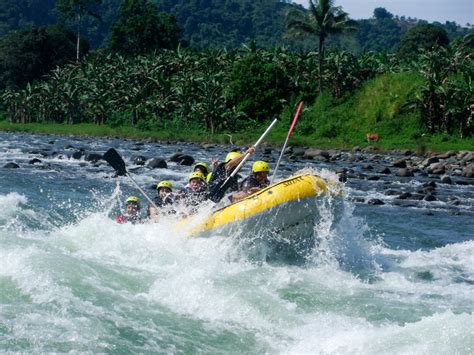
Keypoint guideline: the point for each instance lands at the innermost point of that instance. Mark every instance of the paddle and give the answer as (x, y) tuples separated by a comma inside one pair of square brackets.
[(219, 190), (287, 139), (115, 160)]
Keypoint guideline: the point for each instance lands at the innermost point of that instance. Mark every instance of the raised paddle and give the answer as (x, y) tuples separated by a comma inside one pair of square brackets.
[(115, 160), (219, 190), (286, 141)]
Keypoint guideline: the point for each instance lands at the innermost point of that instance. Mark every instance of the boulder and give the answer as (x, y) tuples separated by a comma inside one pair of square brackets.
[(373, 178), (77, 154), (403, 172), (375, 201), (138, 159), (93, 157), (467, 157), (35, 161), (186, 160), (298, 152), (405, 196), (384, 170), (313, 153), (447, 155), (436, 168), (400, 163), (176, 157), (446, 180), (11, 166), (429, 198), (429, 161), (342, 177), (157, 164), (468, 171)]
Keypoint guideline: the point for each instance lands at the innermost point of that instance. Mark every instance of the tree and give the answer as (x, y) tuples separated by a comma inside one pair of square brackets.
[(77, 10), (27, 55), (257, 87), (322, 20), (421, 37), (139, 28), (381, 13)]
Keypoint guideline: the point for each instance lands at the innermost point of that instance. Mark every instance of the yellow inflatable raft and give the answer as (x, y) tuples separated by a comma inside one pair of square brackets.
[(289, 205)]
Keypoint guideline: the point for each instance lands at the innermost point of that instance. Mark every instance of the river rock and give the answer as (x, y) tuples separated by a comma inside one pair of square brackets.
[(375, 201), (468, 171), (341, 170), (93, 157), (11, 166), (138, 159), (313, 153), (400, 163), (186, 160), (77, 154), (342, 177), (35, 161), (298, 152), (384, 170), (467, 157), (373, 178), (404, 196), (175, 157), (157, 164), (429, 198), (446, 180), (429, 183), (403, 172), (447, 155), (429, 161)]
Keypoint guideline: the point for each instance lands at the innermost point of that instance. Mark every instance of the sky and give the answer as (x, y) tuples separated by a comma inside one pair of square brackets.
[(461, 11)]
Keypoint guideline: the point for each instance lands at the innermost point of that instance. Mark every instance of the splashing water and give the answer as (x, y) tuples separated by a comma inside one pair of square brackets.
[(71, 279)]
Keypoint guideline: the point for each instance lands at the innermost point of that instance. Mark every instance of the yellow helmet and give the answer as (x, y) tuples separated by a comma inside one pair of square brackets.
[(197, 175), (133, 200), (232, 155), (202, 164), (260, 167), (164, 183)]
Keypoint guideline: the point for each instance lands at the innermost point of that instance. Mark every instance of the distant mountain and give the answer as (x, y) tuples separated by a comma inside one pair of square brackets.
[(222, 23)]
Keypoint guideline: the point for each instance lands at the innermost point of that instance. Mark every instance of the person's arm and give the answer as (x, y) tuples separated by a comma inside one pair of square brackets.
[(231, 165)]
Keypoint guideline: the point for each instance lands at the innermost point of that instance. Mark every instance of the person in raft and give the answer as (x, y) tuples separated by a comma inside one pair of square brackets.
[(222, 172), (204, 169), (164, 198), (196, 191), (132, 211), (256, 181)]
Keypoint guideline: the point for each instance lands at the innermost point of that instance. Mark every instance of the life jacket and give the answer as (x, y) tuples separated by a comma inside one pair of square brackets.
[(194, 198), (218, 177), (250, 181), (125, 219)]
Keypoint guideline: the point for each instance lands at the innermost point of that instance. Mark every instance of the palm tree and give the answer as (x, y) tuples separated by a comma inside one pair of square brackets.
[(322, 20)]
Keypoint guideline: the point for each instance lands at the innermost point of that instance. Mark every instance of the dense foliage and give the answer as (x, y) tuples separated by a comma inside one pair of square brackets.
[(420, 37), (139, 29), (218, 23), (27, 55), (229, 91)]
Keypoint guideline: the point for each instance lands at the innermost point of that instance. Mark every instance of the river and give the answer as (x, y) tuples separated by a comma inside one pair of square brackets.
[(387, 278)]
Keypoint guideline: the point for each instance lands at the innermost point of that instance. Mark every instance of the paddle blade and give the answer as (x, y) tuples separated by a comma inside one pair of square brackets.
[(218, 191), (115, 160)]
